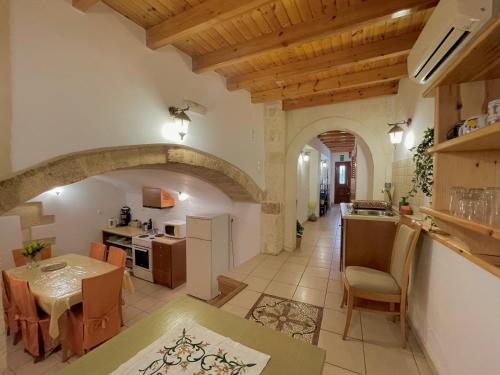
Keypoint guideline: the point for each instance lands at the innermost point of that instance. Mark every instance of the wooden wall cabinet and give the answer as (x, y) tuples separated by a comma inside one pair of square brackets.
[(471, 160), (373, 248), (169, 264)]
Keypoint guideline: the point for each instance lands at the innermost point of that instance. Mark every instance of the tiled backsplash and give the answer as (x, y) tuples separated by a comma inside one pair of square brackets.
[(402, 173)]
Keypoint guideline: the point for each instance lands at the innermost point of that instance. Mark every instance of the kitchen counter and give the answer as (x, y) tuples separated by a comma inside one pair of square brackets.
[(124, 231), (346, 210)]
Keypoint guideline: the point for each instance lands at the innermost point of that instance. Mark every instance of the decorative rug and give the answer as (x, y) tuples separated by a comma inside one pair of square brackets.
[(296, 319), (196, 350)]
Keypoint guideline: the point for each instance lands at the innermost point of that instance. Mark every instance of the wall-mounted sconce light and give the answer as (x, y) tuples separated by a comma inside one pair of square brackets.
[(396, 132), (306, 155), (57, 191), (181, 120), (183, 196), (324, 163)]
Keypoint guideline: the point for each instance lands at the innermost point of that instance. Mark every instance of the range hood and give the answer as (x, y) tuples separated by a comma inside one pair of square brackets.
[(156, 198)]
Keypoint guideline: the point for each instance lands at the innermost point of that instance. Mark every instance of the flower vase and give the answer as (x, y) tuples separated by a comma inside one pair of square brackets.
[(32, 262)]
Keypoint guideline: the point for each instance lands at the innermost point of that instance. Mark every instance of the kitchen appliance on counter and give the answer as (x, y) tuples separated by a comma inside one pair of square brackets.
[(142, 250), (207, 253), (175, 228), (125, 216)]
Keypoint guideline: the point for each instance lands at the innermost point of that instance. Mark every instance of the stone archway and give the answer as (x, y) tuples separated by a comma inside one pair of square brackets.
[(374, 150), (71, 168)]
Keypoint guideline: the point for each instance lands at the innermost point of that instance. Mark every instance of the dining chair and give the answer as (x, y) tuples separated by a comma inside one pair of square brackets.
[(21, 260), (117, 257), (9, 309), (387, 289), (97, 318), (34, 324), (98, 251)]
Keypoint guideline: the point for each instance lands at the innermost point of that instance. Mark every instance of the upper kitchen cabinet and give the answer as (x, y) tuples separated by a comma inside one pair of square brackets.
[(156, 198)]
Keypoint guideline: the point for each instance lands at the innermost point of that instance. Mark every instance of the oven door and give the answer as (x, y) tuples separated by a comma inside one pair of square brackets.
[(142, 257)]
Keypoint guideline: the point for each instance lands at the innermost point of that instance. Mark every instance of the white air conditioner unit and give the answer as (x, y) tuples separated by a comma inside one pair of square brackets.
[(451, 26)]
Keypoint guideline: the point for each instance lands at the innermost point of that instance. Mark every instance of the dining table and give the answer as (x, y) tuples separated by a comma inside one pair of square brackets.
[(56, 290)]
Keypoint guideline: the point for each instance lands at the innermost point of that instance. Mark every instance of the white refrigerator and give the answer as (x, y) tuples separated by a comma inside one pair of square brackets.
[(207, 253)]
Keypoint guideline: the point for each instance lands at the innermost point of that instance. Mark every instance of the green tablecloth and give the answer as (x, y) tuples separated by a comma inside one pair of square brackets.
[(288, 356)]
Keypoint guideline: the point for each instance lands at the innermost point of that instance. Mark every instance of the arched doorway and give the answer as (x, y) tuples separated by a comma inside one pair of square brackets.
[(71, 168), (372, 148)]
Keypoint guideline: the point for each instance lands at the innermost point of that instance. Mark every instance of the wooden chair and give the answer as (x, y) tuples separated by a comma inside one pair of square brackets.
[(21, 260), (97, 318), (98, 251), (34, 324), (386, 292), (117, 256), (9, 309)]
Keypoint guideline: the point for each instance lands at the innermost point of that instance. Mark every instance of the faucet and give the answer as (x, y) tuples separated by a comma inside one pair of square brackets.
[(388, 195)]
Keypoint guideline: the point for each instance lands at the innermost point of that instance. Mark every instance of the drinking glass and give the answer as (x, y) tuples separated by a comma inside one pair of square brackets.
[(456, 194), (478, 205), (465, 205), (490, 195)]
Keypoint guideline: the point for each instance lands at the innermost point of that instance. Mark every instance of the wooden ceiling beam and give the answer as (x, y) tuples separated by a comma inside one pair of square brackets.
[(84, 5), (390, 88), (196, 19), (371, 52), (353, 17), (294, 91)]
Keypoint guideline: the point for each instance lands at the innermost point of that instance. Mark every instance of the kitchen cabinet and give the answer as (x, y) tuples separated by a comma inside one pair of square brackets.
[(367, 243), (169, 263)]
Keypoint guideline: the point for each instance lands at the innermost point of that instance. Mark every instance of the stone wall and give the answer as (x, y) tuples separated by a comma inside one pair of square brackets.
[(67, 169), (272, 221)]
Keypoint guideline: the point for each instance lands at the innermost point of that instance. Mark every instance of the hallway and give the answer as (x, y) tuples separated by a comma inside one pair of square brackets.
[(311, 275)]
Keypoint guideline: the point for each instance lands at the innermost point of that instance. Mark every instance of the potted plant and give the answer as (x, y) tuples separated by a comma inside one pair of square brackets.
[(300, 233), (31, 251), (312, 210)]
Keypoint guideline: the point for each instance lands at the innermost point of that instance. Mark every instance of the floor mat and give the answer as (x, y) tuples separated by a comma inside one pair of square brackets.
[(296, 319)]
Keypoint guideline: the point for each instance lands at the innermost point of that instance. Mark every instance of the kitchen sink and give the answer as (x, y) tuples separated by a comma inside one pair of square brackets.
[(372, 212)]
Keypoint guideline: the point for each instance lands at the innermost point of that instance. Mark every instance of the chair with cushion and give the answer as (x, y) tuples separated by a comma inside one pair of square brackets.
[(21, 260), (34, 324), (9, 309), (117, 256), (98, 251), (97, 318), (385, 292)]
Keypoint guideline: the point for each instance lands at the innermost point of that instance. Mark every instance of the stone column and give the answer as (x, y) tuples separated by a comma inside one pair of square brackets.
[(272, 221)]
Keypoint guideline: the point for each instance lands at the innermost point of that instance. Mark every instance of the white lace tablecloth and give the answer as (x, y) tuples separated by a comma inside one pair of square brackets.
[(57, 291), (194, 349)]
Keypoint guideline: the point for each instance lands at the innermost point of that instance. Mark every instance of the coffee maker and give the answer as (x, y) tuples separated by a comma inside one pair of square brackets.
[(125, 216)]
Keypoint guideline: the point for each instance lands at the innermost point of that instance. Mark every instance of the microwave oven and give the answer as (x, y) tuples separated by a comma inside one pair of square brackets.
[(175, 228)]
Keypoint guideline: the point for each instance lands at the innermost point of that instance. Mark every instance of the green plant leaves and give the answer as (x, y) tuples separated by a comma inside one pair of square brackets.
[(424, 168)]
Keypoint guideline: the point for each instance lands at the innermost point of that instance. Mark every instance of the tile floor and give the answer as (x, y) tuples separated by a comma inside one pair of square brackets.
[(310, 275)]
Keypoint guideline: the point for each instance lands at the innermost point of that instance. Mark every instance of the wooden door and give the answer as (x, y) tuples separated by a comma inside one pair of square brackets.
[(342, 182)]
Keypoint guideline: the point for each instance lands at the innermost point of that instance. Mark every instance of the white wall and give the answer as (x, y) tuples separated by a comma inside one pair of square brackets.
[(83, 81), (303, 185), (10, 238), (454, 306), (203, 197)]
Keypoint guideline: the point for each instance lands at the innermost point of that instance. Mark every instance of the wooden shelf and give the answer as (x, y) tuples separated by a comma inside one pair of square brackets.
[(466, 224), (463, 244), (489, 263), (487, 138), (479, 61)]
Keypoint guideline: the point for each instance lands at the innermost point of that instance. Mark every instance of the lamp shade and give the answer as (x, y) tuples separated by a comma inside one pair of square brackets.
[(181, 120), (396, 134)]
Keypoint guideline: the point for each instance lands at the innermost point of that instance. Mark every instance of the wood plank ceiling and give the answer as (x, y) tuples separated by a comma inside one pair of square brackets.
[(338, 141), (302, 52)]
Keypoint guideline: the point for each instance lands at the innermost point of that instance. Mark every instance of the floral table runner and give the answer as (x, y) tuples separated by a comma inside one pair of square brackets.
[(195, 350)]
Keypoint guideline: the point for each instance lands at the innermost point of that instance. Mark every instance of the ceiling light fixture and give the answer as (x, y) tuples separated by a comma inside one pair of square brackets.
[(183, 196), (181, 120), (396, 132)]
